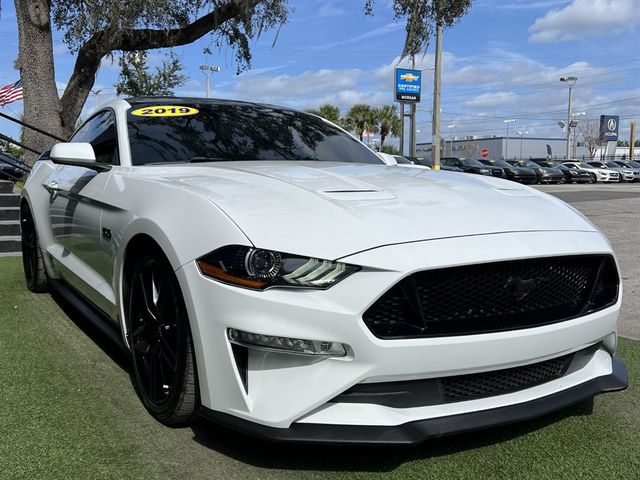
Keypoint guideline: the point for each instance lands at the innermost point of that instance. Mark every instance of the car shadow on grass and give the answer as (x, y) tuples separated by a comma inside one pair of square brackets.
[(99, 334), (271, 455)]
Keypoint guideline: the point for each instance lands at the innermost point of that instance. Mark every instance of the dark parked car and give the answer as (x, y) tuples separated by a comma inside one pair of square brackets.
[(571, 175), (11, 168), (511, 172), (544, 174), (428, 163), (471, 165)]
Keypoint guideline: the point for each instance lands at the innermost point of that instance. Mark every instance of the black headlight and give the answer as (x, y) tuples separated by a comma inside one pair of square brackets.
[(260, 269)]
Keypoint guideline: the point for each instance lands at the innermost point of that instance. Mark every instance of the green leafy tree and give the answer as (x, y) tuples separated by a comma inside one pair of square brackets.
[(421, 18), (328, 111), (11, 149), (93, 30), (390, 149), (361, 118), (96, 29), (389, 122), (137, 80)]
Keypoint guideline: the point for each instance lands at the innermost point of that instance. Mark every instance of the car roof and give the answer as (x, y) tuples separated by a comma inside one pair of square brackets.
[(166, 100)]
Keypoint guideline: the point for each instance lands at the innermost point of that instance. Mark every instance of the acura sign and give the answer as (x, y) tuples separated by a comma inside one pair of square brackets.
[(609, 125)]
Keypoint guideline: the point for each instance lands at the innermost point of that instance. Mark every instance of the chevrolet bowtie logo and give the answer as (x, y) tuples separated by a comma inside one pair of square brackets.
[(520, 288), (409, 77)]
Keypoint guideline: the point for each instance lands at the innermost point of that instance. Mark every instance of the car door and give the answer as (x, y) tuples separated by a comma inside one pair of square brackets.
[(75, 212)]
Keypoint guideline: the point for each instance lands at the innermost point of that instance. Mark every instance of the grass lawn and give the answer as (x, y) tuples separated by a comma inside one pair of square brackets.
[(69, 412)]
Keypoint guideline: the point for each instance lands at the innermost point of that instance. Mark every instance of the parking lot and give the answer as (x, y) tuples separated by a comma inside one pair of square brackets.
[(615, 209)]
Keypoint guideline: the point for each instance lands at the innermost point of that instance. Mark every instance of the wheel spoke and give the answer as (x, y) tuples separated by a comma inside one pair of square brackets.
[(145, 297)]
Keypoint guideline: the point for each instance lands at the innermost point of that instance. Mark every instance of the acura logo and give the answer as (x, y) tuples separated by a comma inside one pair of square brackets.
[(611, 124), (520, 288)]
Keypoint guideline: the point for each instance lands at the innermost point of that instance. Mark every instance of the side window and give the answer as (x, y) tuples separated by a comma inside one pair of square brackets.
[(100, 132), (444, 161)]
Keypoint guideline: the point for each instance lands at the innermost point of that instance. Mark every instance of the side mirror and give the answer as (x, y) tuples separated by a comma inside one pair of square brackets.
[(73, 153)]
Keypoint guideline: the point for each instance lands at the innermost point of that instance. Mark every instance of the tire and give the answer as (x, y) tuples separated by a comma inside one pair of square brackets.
[(164, 368), (594, 179), (35, 274)]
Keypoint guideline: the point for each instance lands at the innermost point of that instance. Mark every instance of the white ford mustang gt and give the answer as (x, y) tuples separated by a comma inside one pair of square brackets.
[(268, 272)]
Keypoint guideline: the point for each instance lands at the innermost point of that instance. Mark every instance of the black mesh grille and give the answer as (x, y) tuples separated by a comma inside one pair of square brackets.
[(466, 387), (494, 296), (438, 391)]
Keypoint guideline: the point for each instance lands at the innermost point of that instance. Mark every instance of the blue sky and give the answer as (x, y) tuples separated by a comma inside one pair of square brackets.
[(502, 61)]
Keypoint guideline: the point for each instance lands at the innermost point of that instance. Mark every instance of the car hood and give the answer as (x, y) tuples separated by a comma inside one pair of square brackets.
[(331, 210)]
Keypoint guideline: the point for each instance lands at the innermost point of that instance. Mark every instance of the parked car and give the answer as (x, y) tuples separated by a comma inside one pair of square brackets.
[(267, 271), (623, 176), (543, 174), (11, 168), (627, 174), (471, 165), (398, 160), (599, 174), (428, 163), (571, 175), (511, 172)]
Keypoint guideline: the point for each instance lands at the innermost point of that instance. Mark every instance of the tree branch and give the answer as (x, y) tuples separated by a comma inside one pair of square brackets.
[(107, 40)]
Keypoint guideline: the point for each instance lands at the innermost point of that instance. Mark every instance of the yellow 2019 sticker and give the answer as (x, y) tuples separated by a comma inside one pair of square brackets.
[(164, 111)]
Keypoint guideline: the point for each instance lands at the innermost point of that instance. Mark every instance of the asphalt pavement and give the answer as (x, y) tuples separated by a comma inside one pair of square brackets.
[(615, 209)]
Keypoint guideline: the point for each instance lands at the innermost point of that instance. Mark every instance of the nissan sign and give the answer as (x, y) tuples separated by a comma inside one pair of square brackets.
[(609, 125)]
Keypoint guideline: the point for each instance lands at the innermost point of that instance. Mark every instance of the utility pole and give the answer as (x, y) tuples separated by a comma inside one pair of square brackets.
[(522, 134), (571, 81), (412, 118), (435, 143), (207, 70), (451, 127), (506, 149), (632, 140)]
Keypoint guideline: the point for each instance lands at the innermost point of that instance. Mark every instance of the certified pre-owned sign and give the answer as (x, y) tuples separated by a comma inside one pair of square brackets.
[(408, 85), (609, 125)]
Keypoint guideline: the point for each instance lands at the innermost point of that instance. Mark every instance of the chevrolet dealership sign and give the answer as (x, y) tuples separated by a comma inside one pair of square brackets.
[(408, 85)]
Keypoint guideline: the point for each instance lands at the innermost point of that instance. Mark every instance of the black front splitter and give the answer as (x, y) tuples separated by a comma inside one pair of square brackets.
[(416, 432)]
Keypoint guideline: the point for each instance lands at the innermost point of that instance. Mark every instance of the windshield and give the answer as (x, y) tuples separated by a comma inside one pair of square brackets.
[(497, 163), (237, 132), (597, 165), (613, 165), (585, 165), (471, 162), (634, 164)]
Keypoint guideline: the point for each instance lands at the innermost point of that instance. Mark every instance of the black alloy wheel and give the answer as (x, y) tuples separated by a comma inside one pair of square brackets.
[(32, 263), (594, 179), (164, 371)]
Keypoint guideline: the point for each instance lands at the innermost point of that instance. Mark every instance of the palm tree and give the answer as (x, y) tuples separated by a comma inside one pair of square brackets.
[(328, 111), (362, 118), (389, 122)]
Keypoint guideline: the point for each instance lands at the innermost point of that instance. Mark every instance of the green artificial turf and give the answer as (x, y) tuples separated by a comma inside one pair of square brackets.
[(68, 411)]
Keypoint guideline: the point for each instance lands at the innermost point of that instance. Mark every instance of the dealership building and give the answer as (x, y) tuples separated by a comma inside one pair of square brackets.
[(497, 148)]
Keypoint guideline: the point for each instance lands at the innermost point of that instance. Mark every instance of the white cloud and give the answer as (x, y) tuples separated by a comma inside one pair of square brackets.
[(284, 87), (586, 18), (492, 99), (376, 32), (330, 9)]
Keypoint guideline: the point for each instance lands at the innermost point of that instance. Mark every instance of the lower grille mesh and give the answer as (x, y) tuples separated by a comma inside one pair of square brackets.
[(466, 387)]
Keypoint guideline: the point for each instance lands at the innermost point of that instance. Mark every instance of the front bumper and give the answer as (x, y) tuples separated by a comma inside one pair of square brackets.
[(420, 430), (284, 391)]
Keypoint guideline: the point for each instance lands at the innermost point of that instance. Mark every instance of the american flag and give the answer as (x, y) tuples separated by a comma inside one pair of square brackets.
[(11, 93)]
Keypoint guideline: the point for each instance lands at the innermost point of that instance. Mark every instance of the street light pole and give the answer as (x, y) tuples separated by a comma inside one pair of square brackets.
[(451, 127), (574, 125), (522, 133), (571, 81), (506, 149), (207, 70)]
